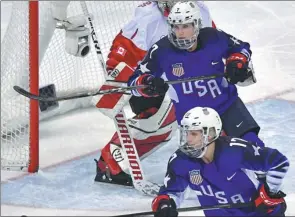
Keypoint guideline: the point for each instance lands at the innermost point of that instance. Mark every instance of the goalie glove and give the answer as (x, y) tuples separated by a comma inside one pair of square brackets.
[(156, 86), (269, 203), (164, 206), (237, 68)]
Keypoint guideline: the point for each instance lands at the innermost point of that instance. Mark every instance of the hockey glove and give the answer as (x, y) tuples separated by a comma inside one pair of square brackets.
[(237, 68), (164, 206), (269, 203), (156, 86)]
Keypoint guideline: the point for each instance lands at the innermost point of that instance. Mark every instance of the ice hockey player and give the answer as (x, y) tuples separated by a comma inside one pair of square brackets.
[(189, 51), (220, 169), (155, 116)]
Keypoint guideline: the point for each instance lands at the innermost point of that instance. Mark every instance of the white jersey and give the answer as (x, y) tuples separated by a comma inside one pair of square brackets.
[(149, 25)]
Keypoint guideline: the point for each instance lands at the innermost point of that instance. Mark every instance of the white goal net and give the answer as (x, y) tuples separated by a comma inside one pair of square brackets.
[(57, 68)]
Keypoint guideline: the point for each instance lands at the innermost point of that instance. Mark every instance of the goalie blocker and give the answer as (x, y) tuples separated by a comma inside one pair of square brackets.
[(153, 124)]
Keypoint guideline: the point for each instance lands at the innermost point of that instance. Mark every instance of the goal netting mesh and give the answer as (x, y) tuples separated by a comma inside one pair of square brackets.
[(56, 67)]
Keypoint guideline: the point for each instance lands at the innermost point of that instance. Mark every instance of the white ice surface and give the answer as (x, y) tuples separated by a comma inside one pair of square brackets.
[(268, 26)]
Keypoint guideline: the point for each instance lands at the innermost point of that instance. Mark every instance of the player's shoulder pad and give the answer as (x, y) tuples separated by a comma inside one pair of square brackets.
[(179, 162), (177, 157), (176, 163), (164, 42), (161, 46), (234, 145), (225, 139), (231, 148), (208, 35), (165, 45)]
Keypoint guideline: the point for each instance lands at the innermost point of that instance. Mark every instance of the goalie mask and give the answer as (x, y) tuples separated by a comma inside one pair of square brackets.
[(185, 14), (199, 127), (165, 6)]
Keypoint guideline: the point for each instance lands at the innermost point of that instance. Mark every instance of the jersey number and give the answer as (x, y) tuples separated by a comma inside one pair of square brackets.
[(238, 142), (172, 158), (243, 143), (154, 47)]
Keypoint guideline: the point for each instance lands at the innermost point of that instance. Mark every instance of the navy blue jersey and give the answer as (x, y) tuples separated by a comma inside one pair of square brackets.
[(229, 178), (166, 61)]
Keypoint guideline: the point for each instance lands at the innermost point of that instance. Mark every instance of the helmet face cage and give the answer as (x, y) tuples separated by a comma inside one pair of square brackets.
[(183, 44), (184, 12), (191, 149)]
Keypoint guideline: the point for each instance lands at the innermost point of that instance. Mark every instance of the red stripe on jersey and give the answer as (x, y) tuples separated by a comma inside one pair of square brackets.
[(135, 33), (213, 24)]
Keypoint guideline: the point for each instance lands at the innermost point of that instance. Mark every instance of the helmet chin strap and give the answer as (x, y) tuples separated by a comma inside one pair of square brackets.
[(192, 46), (203, 152), (205, 149)]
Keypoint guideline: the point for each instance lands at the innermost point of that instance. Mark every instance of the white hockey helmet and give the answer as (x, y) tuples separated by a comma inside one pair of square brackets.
[(204, 119), (184, 12), (165, 6)]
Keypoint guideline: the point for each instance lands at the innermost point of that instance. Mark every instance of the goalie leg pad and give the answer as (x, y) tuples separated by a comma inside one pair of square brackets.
[(120, 157), (145, 142), (109, 159), (115, 159)]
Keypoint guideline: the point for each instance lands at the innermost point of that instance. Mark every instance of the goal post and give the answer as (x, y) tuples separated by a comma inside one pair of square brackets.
[(33, 163), (33, 56), (20, 116)]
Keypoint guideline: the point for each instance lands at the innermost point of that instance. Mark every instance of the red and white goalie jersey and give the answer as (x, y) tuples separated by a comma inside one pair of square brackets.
[(155, 120)]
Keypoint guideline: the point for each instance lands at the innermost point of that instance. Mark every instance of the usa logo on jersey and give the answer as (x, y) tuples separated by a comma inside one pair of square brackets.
[(195, 177), (177, 69)]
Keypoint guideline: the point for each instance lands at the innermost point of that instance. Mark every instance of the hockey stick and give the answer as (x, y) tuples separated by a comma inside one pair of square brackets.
[(101, 92), (195, 208), (123, 129)]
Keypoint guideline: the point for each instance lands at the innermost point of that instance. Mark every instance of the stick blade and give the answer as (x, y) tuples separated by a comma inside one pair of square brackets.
[(25, 93), (29, 95)]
